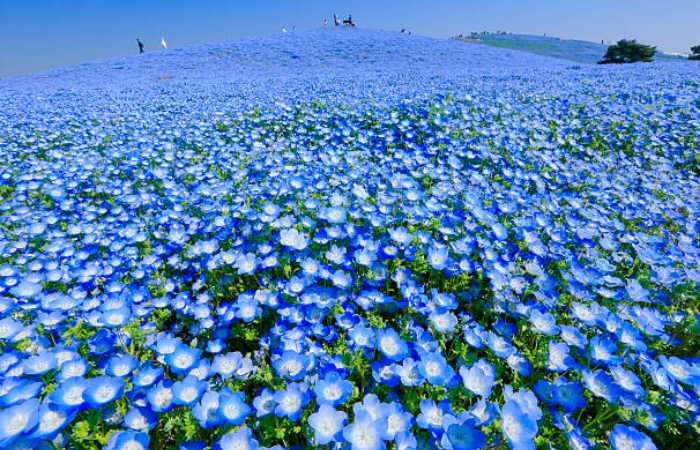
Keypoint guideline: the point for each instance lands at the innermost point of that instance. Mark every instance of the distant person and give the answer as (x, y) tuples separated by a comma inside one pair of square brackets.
[(138, 41), (349, 21), (163, 44), (325, 23)]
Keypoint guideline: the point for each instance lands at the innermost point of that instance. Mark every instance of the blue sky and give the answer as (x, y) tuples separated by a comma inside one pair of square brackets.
[(39, 34)]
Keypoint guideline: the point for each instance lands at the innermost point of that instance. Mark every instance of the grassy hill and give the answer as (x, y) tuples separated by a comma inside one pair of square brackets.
[(570, 49)]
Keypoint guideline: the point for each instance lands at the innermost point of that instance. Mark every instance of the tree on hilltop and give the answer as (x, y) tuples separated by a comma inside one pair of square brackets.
[(628, 51), (694, 53)]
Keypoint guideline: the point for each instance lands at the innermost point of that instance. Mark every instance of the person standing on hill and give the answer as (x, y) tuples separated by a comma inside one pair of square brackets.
[(138, 41)]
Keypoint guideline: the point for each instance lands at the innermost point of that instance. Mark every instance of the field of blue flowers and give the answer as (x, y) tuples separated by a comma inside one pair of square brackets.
[(350, 240)]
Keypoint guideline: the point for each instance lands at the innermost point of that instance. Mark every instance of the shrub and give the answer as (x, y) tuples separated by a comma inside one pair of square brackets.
[(695, 53), (628, 52)]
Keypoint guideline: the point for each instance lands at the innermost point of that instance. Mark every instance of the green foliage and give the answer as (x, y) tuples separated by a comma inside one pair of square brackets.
[(628, 51), (694, 53)]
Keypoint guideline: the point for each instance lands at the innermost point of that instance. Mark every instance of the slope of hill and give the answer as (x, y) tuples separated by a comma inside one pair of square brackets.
[(570, 49)]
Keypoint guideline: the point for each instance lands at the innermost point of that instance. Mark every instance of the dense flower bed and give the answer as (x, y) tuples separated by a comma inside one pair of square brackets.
[(357, 241)]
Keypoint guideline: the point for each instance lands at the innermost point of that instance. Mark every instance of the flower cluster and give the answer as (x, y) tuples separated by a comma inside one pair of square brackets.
[(417, 249)]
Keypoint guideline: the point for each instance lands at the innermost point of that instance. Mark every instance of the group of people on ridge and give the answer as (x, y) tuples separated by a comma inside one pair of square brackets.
[(337, 21), (163, 44)]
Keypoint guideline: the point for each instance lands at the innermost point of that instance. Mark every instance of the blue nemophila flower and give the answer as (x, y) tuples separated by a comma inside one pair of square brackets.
[(264, 403), (438, 257), (568, 394), (681, 370), (601, 385), (127, 440), (333, 214), (9, 328), (232, 407), (623, 437), (291, 365), (332, 389), (543, 323), (573, 336), (182, 359), (147, 375), (479, 378), (636, 292), (362, 336), (444, 322), (603, 350), (291, 401), (121, 365), (14, 390), (193, 445), (227, 365), (140, 419), (432, 414), (291, 237), (188, 391), (246, 264), (564, 393), (160, 397), (327, 424), (398, 421), (26, 289), (627, 380), (73, 368), (206, 412), (39, 364), (364, 433), (69, 394), (241, 439), (435, 369), (18, 419), (558, 359), (518, 427), (463, 436), (390, 344), (103, 390), (246, 309), (52, 419)]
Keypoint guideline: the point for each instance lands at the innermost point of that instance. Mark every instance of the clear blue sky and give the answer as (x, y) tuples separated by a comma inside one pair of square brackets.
[(39, 34)]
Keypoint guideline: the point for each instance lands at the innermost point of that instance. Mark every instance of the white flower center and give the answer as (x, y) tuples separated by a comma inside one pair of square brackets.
[(332, 392), (163, 397), (390, 346), (104, 393), (17, 423), (432, 368), (50, 421), (189, 394)]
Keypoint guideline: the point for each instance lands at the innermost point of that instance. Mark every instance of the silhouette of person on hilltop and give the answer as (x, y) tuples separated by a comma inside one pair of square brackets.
[(138, 41)]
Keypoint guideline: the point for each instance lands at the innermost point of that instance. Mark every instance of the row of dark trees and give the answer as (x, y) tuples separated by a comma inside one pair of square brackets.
[(631, 51)]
